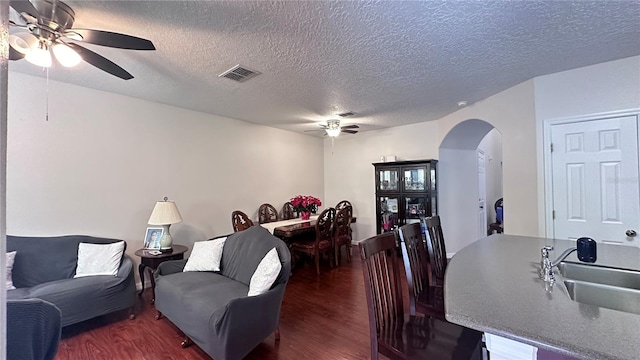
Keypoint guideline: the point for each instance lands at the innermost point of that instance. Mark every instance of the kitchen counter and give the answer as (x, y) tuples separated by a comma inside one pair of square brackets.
[(492, 285)]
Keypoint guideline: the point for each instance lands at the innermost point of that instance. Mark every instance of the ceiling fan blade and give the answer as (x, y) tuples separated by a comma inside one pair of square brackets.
[(349, 131), (116, 40), (15, 55), (24, 6), (351, 127), (313, 130), (100, 62)]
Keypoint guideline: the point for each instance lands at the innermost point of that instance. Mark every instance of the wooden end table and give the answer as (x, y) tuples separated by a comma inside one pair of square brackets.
[(151, 262)]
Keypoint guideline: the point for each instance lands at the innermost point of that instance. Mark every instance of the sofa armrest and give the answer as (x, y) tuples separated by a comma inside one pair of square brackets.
[(126, 267), (171, 267), (247, 321)]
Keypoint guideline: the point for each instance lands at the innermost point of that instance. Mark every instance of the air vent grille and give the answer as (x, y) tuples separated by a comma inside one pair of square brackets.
[(239, 73), (345, 114)]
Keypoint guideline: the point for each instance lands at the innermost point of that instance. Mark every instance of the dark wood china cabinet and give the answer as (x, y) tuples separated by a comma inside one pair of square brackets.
[(406, 191)]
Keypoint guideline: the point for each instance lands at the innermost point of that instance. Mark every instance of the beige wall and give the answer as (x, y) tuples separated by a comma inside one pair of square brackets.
[(100, 163), (349, 173)]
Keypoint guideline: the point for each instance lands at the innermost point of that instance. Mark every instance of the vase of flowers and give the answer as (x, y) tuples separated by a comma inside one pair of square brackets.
[(305, 205)]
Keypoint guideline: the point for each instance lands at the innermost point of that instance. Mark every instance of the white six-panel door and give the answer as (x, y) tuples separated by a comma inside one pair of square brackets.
[(595, 180)]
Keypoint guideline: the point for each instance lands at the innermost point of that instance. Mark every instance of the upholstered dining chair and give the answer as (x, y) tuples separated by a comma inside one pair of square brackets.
[(288, 212), (423, 297), (240, 221), (399, 336), (267, 213), (323, 240), (342, 233), (436, 250)]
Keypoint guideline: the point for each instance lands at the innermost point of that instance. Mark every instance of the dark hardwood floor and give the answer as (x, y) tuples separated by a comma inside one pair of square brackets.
[(322, 318)]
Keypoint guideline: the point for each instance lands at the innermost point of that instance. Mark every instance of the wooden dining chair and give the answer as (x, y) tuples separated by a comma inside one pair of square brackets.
[(240, 221), (399, 336), (342, 233), (267, 213), (288, 212), (436, 250), (423, 298), (323, 239), (343, 204)]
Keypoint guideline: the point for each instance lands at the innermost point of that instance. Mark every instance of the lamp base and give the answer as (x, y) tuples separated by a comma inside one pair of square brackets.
[(166, 251), (166, 242)]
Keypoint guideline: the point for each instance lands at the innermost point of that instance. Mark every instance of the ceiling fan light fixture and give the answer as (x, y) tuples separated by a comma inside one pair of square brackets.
[(333, 132), (65, 55), (23, 42), (39, 55), (333, 128)]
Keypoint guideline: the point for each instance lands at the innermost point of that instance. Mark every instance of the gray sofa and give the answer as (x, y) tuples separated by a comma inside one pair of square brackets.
[(44, 269), (213, 309)]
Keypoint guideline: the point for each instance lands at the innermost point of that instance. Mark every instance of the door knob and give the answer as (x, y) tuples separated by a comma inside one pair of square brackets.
[(630, 233)]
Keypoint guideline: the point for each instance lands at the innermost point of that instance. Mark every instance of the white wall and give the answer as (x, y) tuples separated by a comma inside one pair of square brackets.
[(100, 163), (491, 144), (349, 174), (595, 89)]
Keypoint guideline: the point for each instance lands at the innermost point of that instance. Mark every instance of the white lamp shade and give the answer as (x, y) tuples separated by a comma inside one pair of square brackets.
[(65, 55), (23, 42), (165, 213), (39, 56)]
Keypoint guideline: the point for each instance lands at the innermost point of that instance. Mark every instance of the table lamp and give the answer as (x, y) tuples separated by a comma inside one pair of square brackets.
[(165, 213)]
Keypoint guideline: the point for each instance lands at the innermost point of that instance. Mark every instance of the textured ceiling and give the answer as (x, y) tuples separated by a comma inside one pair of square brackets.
[(391, 62)]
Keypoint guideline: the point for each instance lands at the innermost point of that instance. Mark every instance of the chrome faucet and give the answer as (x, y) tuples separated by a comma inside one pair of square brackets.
[(546, 265)]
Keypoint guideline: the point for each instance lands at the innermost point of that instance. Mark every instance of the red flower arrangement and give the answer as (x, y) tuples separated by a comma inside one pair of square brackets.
[(305, 204)]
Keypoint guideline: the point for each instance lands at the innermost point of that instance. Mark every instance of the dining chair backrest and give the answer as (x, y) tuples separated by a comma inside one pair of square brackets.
[(240, 221), (267, 213), (288, 212), (414, 258), (324, 225), (436, 250), (343, 204), (342, 223), (382, 284)]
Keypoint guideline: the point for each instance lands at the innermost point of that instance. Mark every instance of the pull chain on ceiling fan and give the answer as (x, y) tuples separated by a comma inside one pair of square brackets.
[(49, 29)]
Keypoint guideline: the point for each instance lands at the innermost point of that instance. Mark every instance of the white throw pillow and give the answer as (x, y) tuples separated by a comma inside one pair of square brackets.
[(205, 256), (10, 257), (266, 273), (99, 259)]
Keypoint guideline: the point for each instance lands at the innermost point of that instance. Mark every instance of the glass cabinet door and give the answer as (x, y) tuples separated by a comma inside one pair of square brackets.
[(415, 178), (388, 215), (415, 208), (388, 180)]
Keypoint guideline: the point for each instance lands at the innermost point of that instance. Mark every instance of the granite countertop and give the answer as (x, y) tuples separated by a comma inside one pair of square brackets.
[(492, 285)]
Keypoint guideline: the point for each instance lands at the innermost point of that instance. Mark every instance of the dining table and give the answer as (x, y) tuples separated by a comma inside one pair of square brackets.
[(289, 229)]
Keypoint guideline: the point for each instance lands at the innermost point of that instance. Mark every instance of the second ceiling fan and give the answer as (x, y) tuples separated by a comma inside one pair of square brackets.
[(49, 29)]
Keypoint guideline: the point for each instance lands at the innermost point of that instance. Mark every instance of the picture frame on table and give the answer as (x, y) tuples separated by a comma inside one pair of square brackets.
[(152, 238)]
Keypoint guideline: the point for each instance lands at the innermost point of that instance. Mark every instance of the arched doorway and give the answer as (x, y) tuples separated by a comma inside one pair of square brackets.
[(470, 181)]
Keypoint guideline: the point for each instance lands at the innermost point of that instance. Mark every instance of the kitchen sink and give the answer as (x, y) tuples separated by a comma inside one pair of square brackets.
[(600, 275), (611, 288), (607, 296)]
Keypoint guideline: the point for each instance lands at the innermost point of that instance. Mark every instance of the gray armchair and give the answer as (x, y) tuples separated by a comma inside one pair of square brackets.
[(213, 309), (33, 329)]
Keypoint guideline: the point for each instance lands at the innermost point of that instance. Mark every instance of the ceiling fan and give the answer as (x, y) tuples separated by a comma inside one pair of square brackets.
[(333, 128), (49, 28)]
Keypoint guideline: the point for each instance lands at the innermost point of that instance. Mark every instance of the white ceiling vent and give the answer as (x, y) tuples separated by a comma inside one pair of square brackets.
[(239, 73), (348, 113)]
